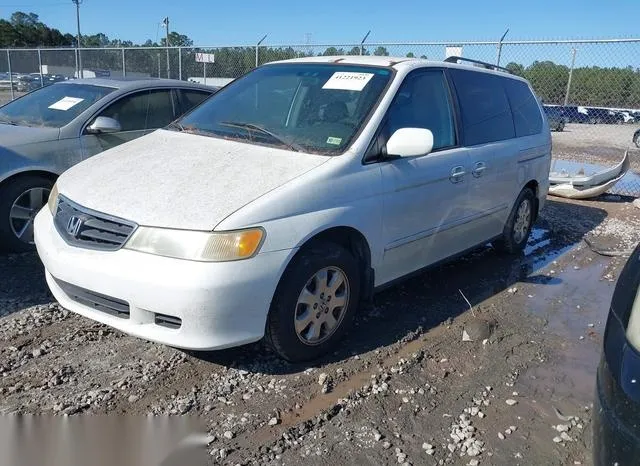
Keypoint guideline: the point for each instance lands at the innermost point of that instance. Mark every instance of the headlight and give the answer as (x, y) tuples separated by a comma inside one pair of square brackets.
[(53, 199), (633, 328), (197, 245)]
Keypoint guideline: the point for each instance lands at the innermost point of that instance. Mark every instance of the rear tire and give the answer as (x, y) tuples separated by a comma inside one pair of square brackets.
[(306, 320), (518, 228), (17, 210)]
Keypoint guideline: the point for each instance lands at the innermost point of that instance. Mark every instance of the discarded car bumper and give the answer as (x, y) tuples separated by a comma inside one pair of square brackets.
[(185, 304)]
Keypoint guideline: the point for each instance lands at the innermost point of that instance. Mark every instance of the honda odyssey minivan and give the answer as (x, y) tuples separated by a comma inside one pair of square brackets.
[(280, 204)]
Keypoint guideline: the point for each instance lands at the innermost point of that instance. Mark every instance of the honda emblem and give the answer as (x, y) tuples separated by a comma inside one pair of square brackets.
[(73, 226)]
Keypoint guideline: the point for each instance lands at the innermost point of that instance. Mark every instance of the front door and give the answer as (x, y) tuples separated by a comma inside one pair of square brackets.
[(425, 197), (138, 113)]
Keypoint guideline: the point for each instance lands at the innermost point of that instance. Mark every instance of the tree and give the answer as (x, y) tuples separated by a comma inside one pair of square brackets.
[(411, 55), (177, 40), (354, 51), (381, 52), (424, 57), (515, 68), (331, 51)]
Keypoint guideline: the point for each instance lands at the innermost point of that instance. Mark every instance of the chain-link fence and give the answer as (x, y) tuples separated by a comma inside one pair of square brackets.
[(594, 85)]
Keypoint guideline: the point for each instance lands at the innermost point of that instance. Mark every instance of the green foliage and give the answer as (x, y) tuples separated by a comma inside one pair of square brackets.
[(26, 30)]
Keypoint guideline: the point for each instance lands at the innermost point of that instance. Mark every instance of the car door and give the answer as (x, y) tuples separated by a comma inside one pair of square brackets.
[(425, 197), (489, 132), (138, 114)]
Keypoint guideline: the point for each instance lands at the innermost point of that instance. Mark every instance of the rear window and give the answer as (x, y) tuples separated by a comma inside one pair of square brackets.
[(486, 114), (524, 107)]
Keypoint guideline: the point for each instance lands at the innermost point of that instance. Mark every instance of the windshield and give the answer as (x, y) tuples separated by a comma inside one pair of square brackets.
[(52, 106), (316, 108)]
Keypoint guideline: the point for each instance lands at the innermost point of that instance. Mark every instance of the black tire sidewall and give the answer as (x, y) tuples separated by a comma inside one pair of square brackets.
[(507, 242), (280, 332), (9, 192)]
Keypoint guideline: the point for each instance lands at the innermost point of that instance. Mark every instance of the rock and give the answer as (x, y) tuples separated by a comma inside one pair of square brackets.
[(223, 453), (133, 398), (228, 435), (386, 445), (405, 399), (513, 290), (473, 451), (401, 458), (481, 414), (474, 462), (476, 330), (451, 447), (273, 421), (427, 446), (557, 439), (562, 428), (564, 436), (377, 435), (322, 379), (513, 428), (511, 402), (37, 352), (500, 435), (507, 432), (636, 203)]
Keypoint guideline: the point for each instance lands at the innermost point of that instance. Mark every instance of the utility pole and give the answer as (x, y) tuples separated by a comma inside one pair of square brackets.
[(573, 62), (166, 24), (77, 3), (362, 42)]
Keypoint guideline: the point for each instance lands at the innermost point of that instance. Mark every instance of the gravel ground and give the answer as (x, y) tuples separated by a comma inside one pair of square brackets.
[(403, 388)]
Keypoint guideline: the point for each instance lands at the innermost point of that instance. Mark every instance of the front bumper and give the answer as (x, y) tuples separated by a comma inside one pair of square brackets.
[(219, 304)]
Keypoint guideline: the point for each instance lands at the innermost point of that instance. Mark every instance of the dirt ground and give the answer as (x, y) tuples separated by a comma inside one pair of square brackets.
[(404, 388)]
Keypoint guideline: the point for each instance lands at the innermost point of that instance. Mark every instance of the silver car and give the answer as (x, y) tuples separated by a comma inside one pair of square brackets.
[(45, 132)]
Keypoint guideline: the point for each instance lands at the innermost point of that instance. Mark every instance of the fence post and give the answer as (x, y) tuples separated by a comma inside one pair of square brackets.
[(362, 42), (40, 68), (10, 74), (258, 49), (180, 63), (77, 65), (500, 47), (124, 65)]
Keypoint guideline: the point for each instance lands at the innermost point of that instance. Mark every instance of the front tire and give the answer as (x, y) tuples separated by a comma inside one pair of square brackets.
[(20, 200), (519, 224), (314, 303)]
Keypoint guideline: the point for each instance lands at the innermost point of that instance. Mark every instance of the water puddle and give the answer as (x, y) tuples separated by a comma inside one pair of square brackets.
[(539, 250), (629, 184)]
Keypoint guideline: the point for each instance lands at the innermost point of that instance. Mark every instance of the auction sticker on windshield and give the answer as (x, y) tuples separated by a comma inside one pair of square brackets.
[(348, 81), (65, 103)]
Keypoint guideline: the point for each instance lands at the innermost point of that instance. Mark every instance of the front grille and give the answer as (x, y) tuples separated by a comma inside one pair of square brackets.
[(115, 307), (85, 228)]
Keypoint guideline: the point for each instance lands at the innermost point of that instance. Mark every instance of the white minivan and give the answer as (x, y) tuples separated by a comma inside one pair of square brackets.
[(280, 204)]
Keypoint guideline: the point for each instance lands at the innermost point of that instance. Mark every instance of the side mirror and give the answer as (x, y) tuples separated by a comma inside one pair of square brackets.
[(410, 142), (103, 124)]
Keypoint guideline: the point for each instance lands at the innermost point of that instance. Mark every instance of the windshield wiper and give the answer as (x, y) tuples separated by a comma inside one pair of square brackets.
[(260, 129)]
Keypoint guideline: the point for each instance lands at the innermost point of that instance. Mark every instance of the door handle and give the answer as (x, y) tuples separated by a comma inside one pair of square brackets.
[(478, 169), (457, 174)]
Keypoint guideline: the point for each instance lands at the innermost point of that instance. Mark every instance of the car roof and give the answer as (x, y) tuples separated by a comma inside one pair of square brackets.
[(397, 63), (132, 83)]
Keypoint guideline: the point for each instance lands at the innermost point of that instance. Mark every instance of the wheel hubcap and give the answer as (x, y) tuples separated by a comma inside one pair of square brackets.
[(24, 210), (523, 219), (321, 305)]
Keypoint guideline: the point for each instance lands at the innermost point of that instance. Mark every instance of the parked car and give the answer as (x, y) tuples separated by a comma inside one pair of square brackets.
[(48, 130), (636, 138), (263, 212), (26, 83), (556, 117), (575, 114), (616, 416), (628, 116), (604, 116)]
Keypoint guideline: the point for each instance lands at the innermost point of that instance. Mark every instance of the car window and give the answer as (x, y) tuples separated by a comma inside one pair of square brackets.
[(142, 110), (305, 107), (53, 106), (191, 98), (423, 102), (524, 107), (486, 114)]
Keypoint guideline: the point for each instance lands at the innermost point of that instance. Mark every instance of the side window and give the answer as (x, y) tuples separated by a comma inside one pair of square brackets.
[(524, 106), (423, 102), (142, 110), (486, 115), (191, 99)]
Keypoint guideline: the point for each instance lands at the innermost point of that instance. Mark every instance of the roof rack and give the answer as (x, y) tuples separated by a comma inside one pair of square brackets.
[(489, 66)]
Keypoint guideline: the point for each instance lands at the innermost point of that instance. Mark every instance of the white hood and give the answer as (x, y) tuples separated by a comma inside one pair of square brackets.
[(179, 180)]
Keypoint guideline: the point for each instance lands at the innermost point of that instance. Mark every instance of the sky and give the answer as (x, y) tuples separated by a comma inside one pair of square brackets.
[(210, 22)]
